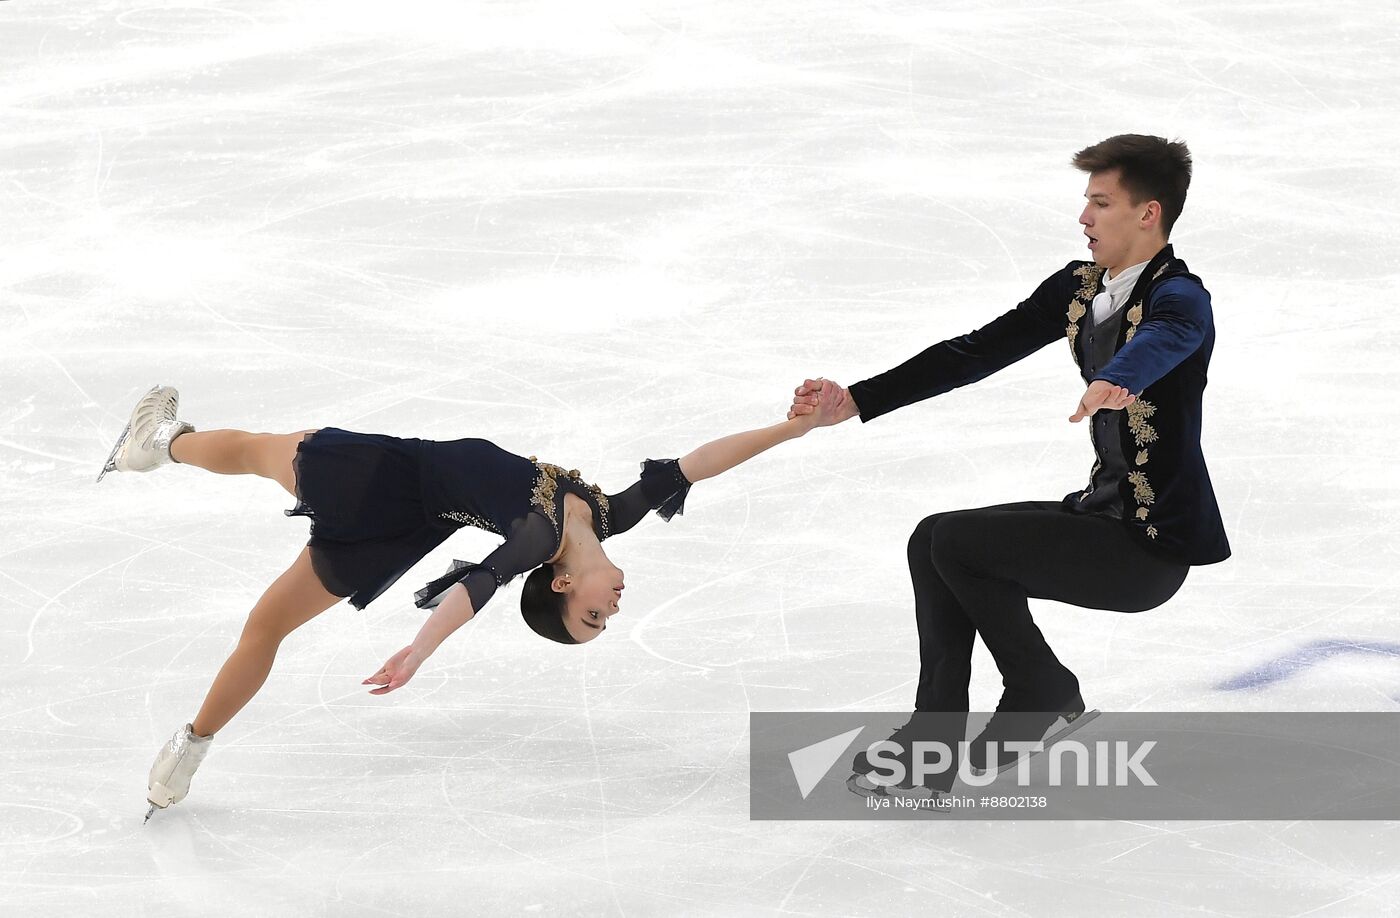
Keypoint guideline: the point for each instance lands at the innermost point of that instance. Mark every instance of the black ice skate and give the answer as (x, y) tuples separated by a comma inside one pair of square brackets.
[(1025, 727), (943, 727)]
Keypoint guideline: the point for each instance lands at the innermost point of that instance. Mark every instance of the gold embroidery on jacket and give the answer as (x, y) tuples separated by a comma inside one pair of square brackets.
[(1142, 491), (1088, 279), (1083, 495), (1088, 286), (1143, 432), (1134, 316)]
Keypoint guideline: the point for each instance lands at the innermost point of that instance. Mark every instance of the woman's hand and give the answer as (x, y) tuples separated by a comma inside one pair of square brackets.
[(822, 403), (396, 671)]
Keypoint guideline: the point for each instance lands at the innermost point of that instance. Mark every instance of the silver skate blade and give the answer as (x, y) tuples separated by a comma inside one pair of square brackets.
[(1066, 730), (111, 464), (149, 813), (857, 785), (863, 787)]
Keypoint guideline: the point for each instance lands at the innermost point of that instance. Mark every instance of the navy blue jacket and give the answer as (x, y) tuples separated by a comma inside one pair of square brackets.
[(1163, 351)]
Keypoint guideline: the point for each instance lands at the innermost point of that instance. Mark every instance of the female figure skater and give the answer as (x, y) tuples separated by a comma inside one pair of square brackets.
[(378, 504)]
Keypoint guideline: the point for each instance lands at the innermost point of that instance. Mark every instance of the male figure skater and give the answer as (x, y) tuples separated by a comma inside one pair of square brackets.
[(1140, 329)]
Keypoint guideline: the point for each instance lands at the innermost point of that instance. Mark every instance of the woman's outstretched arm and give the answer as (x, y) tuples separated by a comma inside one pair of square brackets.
[(453, 612), (723, 454)]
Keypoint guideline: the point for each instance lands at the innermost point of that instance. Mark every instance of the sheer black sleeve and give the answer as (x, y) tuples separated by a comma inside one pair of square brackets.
[(530, 542), (662, 487)]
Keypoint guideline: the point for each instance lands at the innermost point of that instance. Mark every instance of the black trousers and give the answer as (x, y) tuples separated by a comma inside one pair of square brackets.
[(974, 571)]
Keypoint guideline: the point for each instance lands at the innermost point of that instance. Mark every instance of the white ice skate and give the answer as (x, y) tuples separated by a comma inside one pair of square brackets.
[(145, 443), (174, 766)]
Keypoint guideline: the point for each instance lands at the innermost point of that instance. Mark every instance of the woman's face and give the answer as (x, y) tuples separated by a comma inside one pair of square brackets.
[(592, 597)]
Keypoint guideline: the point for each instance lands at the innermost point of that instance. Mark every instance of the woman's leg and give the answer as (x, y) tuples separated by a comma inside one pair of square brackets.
[(294, 599), (237, 452)]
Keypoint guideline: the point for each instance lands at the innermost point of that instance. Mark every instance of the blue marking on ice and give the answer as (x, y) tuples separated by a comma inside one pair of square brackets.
[(1288, 665)]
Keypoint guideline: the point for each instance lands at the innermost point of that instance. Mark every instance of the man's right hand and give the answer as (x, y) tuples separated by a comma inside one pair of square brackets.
[(806, 396)]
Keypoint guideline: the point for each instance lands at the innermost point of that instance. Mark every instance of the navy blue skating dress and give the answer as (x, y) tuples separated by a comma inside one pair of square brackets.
[(378, 504)]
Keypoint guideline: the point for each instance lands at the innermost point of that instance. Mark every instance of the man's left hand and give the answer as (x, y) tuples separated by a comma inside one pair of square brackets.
[(1102, 394)]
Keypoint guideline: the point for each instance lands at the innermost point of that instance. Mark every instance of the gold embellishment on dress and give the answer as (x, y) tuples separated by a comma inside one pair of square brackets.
[(1142, 491), (542, 495), (1158, 272), (1141, 457), (1143, 432), (603, 506), (1142, 513), (547, 485), (469, 519), (1152, 532)]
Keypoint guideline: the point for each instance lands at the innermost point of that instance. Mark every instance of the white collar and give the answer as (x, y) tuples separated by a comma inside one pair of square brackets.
[(1115, 291), (1125, 279)]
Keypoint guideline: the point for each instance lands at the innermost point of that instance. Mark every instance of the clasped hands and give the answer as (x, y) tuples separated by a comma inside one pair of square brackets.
[(832, 403)]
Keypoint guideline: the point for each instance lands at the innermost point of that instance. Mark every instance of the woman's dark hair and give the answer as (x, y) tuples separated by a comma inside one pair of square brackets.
[(1149, 169), (542, 608)]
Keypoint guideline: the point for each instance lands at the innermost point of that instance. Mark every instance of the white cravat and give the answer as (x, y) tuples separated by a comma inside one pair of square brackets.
[(1116, 290)]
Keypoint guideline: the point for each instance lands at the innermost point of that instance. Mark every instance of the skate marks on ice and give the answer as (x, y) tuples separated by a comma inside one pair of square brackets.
[(28, 824), (176, 845)]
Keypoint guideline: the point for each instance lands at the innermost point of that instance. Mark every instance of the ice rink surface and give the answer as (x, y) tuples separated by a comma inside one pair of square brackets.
[(600, 232)]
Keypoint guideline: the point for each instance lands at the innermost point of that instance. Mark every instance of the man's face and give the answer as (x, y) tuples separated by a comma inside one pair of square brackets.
[(1112, 221)]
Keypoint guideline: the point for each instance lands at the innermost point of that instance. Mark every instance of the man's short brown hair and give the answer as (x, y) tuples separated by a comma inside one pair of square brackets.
[(1149, 169)]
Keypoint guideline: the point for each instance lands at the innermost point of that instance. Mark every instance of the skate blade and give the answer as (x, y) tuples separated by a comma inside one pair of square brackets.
[(861, 787), (1070, 726), (111, 464), (149, 814)]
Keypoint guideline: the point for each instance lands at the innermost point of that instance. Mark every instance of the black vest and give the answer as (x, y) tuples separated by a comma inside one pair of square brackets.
[(1104, 493)]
